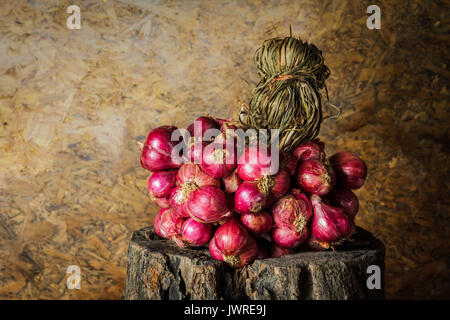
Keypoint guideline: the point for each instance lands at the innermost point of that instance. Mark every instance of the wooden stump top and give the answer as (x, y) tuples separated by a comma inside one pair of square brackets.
[(158, 269)]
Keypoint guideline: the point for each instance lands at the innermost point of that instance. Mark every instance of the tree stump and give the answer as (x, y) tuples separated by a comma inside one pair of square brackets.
[(158, 269)]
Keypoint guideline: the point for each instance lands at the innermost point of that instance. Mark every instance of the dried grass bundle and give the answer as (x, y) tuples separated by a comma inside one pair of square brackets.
[(287, 97)]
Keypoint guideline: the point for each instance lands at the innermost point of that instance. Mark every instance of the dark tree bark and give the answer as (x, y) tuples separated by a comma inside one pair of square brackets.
[(158, 269)]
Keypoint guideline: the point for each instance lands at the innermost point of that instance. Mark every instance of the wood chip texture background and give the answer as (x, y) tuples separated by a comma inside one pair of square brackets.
[(73, 103)]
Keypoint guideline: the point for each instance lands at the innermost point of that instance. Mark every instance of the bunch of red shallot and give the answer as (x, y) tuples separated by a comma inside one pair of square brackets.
[(248, 203)]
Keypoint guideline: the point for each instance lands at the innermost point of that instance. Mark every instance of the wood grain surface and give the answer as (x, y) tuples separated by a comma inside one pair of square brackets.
[(73, 103)]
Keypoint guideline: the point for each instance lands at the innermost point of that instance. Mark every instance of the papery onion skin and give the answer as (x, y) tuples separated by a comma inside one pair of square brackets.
[(237, 247), (162, 202), (281, 186), (190, 177), (157, 222), (215, 253), (249, 199), (313, 150), (276, 251), (205, 123), (178, 201), (346, 199), (193, 173), (219, 160), (288, 162), (292, 211), (330, 224), (208, 204), (196, 234), (156, 154), (170, 225), (257, 223), (289, 238), (254, 163), (160, 183), (314, 177), (351, 171), (194, 150), (231, 182)]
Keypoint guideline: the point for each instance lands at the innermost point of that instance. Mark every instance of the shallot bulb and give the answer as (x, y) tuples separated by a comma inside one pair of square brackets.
[(233, 243), (346, 199), (351, 171), (288, 162), (289, 238), (249, 198), (162, 202), (276, 251), (156, 154), (194, 150), (160, 183), (208, 204), (231, 182), (254, 163), (257, 223), (315, 177), (219, 159), (196, 234), (281, 185), (292, 212), (330, 224), (170, 225), (157, 223), (202, 124), (215, 253), (313, 150), (190, 177)]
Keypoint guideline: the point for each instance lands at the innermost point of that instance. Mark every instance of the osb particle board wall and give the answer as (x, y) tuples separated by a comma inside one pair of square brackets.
[(73, 103)]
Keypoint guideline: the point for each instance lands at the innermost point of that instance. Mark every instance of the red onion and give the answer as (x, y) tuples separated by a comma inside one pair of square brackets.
[(330, 224), (208, 204), (196, 234), (254, 164), (351, 171), (204, 123), (221, 122), (192, 173), (289, 238), (249, 199), (257, 223), (276, 251), (215, 253), (162, 202), (346, 199), (156, 152), (194, 150), (157, 223), (292, 212), (315, 177), (235, 245), (313, 150), (160, 183), (231, 182), (282, 182), (190, 177), (219, 160), (170, 225), (288, 162)]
